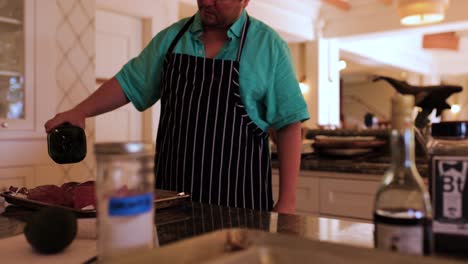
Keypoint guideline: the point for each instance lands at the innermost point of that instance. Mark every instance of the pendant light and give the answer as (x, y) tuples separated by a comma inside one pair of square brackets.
[(419, 12)]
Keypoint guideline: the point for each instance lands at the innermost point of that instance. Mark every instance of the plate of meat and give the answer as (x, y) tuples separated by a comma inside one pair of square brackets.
[(79, 198)]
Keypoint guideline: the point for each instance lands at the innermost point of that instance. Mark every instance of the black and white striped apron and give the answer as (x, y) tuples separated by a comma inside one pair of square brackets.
[(207, 145)]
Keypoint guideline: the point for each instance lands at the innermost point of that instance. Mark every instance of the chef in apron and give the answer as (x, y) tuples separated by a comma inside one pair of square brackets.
[(207, 144)]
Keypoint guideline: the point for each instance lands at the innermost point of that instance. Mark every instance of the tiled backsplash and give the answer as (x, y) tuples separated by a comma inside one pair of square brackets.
[(76, 71)]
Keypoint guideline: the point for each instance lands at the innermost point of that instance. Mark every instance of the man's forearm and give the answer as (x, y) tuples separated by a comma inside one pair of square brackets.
[(106, 98), (289, 156)]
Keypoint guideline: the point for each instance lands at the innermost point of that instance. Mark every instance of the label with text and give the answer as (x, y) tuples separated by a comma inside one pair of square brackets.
[(403, 239), (449, 177), (131, 205)]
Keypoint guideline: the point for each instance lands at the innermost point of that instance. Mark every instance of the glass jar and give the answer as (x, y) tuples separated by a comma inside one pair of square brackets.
[(448, 163), (125, 195)]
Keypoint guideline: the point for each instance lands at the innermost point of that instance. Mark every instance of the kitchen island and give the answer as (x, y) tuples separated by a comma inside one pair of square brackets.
[(194, 219)]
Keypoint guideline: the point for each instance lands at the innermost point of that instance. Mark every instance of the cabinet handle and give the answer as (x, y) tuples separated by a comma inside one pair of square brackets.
[(4, 124)]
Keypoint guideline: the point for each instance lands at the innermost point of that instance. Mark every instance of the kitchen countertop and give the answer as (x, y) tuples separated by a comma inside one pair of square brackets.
[(372, 165), (198, 219), (362, 165), (184, 222), (194, 219)]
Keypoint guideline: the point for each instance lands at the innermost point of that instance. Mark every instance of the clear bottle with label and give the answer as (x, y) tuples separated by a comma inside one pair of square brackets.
[(448, 163), (125, 195), (402, 209)]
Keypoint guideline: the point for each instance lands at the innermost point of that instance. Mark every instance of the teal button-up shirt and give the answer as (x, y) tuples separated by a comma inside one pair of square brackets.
[(268, 84)]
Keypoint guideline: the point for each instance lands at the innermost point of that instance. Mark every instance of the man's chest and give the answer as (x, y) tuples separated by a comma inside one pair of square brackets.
[(213, 48)]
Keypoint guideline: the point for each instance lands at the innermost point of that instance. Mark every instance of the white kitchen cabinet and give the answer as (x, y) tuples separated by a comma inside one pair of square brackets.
[(346, 195), (307, 194), (347, 198), (16, 176), (27, 67)]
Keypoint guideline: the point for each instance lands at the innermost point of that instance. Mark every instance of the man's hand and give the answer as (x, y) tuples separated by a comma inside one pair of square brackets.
[(73, 117)]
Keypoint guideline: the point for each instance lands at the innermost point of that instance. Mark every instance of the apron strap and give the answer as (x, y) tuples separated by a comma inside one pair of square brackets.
[(243, 37), (190, 21), (179, 35)]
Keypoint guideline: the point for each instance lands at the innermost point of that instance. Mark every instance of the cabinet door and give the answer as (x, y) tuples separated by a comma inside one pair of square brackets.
[(18, 177), (307, 193), (16, 74), (347, 198), (119, 38), (27, 57)]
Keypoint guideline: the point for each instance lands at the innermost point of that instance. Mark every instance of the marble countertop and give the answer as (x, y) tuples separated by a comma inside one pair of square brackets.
[(355, 165), (184, 222), (191, 220), (197, 219), (373, 165)]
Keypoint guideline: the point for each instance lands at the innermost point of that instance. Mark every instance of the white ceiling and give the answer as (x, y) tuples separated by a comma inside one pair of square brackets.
[(405, 51), (371, 30)]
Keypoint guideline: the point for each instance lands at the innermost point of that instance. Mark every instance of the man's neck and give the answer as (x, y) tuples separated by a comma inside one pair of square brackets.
[(215, 34), (214, 40)]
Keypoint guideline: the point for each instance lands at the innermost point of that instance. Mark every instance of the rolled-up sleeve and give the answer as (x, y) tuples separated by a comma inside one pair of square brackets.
[(140, 78), (284, 101)]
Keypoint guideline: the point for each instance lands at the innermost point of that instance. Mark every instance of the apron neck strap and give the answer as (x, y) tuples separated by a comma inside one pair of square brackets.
[(190, 21), (243, 37), (179, 35)]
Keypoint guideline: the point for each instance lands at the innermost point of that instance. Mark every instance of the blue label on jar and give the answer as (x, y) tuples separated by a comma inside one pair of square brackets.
[(130, 205)]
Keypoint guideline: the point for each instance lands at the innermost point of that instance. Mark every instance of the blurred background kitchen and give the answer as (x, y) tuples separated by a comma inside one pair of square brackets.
[(54, 53)]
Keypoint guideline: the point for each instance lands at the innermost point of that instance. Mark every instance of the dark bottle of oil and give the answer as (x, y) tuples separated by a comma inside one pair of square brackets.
[(402, 209), (448, 163), (67, 144)]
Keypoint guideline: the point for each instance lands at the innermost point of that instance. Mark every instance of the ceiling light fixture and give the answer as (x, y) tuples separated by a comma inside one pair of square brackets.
[(419, 12), (455, 108), (342, 64)]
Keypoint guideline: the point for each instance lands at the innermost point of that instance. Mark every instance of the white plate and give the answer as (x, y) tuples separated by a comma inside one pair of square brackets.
[(345, 152), (345, 138)]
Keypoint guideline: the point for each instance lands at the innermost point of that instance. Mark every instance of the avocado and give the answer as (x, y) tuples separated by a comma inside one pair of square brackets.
[(51, 230)]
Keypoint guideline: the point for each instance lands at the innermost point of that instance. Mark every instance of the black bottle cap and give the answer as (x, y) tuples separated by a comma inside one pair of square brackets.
[(450, 129)]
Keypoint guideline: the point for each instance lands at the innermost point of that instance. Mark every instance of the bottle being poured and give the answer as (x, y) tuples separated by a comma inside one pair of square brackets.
[(402, 210)]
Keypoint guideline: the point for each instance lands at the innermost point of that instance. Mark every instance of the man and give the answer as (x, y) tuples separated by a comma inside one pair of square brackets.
[(223, 78)]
